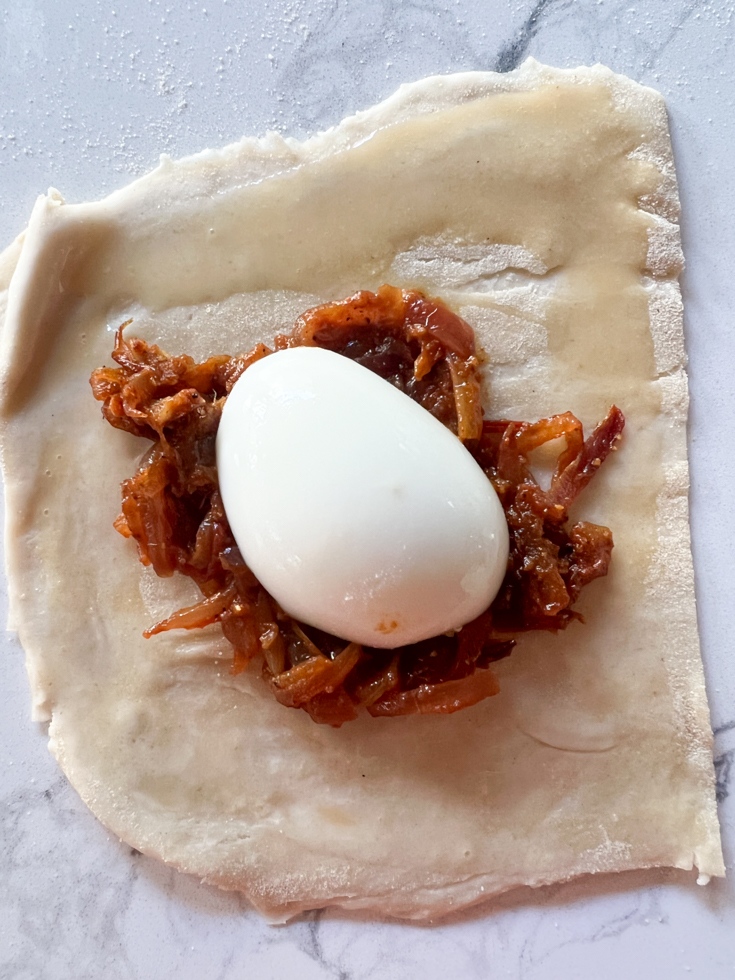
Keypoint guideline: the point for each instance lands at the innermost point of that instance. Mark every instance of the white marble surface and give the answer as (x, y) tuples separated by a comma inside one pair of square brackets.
[(89, 95)]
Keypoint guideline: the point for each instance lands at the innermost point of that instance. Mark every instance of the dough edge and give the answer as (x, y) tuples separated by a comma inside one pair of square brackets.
[(255, 159)]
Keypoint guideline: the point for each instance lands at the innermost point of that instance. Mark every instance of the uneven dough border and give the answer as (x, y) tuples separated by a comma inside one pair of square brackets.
[(31, 303)]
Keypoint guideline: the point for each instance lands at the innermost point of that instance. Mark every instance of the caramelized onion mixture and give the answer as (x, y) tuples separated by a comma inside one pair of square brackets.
[(173, 510)]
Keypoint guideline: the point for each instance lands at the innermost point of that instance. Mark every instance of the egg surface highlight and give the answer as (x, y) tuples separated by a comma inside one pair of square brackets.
[(357, 510)]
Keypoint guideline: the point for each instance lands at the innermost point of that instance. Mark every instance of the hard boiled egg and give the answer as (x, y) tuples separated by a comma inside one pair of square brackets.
[(358, 511)]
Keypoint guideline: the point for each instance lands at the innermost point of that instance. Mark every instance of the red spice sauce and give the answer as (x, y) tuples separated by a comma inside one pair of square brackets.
[(173, 510)]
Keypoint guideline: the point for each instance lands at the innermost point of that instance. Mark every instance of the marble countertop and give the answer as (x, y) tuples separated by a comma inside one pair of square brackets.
[(90, 96)]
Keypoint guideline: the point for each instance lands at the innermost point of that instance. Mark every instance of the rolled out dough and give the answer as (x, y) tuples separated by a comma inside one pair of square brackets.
[(540, 204)]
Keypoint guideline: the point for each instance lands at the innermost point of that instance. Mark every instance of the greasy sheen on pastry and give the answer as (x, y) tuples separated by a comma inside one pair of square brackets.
[(173, 507), (541, 205)]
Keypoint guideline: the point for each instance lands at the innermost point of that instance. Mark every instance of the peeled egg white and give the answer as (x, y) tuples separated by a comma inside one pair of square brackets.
[(358, 511)]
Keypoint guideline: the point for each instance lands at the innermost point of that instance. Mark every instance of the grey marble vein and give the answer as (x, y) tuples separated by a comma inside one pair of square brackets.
[(514, 52), (723, 773), (726, 726)]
